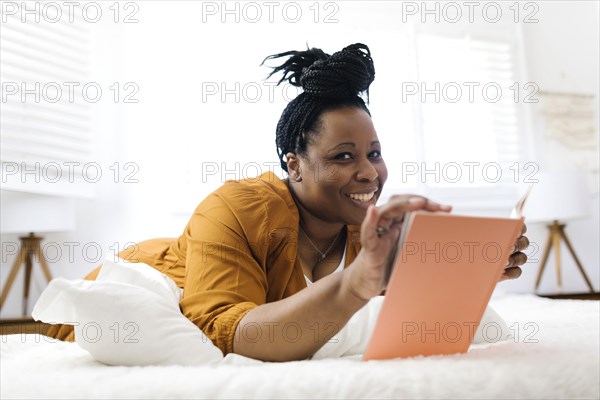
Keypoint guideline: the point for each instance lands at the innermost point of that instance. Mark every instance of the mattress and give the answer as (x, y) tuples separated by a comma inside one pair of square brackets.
[(554, 353)]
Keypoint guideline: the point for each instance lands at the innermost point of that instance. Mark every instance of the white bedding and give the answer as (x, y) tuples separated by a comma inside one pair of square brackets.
[(556, 355)]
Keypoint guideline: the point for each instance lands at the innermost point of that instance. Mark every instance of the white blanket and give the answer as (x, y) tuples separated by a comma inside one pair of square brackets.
[(555, 353)]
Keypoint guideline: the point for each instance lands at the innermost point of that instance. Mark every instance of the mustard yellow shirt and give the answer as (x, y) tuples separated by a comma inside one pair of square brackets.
[(237, 251)]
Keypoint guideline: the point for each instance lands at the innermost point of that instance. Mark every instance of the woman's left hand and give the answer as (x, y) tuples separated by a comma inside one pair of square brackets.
[(512, 270)]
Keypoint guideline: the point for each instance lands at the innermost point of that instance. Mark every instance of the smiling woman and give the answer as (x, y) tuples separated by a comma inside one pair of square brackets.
[(347, 138), (258, 255)]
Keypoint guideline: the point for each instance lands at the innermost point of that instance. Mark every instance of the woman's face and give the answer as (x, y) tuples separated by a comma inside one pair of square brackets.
[(343, 171)]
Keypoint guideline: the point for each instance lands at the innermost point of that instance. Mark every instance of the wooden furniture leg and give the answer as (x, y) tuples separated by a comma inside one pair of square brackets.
[(13, 274), (577, 262), (556, 235), (30, 247), (544, 260)]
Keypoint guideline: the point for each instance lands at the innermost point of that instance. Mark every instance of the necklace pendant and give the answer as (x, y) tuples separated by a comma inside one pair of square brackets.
[(323, 255)]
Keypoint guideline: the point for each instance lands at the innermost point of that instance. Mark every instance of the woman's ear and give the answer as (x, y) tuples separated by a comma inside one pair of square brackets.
[(293, 165)]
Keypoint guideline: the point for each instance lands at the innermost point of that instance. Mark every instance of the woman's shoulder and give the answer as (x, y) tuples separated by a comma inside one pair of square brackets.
[(250, 200), (266, 187), (265, 183)]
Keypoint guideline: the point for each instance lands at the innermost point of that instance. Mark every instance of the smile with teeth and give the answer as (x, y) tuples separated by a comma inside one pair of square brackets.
[(361, 197)]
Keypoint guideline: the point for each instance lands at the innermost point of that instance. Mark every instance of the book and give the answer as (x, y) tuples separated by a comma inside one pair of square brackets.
[(440, 280)]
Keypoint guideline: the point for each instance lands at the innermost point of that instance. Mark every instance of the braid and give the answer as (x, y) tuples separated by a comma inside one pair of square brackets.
[(344, 74), (328, 83)]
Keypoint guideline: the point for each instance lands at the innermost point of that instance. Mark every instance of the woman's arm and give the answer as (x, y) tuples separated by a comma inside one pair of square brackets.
[(296, 327)]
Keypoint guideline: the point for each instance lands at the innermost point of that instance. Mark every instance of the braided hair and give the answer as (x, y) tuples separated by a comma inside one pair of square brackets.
[(329, 82)]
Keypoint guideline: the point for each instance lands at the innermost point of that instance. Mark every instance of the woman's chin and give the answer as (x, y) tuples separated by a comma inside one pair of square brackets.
[(357, 218)]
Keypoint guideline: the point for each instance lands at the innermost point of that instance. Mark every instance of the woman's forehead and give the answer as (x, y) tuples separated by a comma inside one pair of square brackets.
[(346, 125)]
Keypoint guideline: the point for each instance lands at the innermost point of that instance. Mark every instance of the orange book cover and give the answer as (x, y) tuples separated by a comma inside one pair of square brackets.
[(442, 278)]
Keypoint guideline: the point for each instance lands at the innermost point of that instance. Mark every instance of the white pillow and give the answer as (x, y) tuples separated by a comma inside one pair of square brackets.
[(129, 316)]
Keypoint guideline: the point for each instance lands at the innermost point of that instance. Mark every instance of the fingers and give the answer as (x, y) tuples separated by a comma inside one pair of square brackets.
[(512, 270), (391, 214), (431, 205), (368, 229), (375, 225), (398, 205), (512, 273), (521, 244), (428, 204), (516, 259)]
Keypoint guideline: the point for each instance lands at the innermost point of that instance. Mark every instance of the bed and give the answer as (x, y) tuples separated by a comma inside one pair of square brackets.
[(554, 353)]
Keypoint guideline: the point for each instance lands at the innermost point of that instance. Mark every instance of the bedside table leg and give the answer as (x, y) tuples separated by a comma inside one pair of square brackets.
[(13, 274), (544, 260)]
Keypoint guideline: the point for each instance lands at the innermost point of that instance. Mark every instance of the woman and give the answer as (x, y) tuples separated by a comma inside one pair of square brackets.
[(257, 258)]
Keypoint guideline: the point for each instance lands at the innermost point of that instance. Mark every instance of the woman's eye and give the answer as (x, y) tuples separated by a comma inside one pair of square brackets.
[(376, 153), (341, 156)]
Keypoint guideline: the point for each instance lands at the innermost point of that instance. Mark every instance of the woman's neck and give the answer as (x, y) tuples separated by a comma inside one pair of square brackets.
[(322, 233)]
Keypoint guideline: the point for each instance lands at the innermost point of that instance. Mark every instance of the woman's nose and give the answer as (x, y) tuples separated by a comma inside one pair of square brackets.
[(366, 170)]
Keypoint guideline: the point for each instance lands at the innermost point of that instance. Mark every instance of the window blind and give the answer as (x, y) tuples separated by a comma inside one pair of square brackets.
[(46, 116)]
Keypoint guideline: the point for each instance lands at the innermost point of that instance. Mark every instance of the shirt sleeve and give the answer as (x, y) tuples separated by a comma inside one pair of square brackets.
[(225, 271)]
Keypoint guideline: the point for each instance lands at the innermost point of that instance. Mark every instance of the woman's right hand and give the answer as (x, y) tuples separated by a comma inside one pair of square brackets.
[(367, 273)]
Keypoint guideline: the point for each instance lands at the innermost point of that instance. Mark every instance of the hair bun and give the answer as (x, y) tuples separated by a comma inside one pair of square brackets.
[(344, 74), (296, 65)]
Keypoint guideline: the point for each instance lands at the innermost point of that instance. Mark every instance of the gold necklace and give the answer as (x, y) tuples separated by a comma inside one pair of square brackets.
[(323, 255)]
